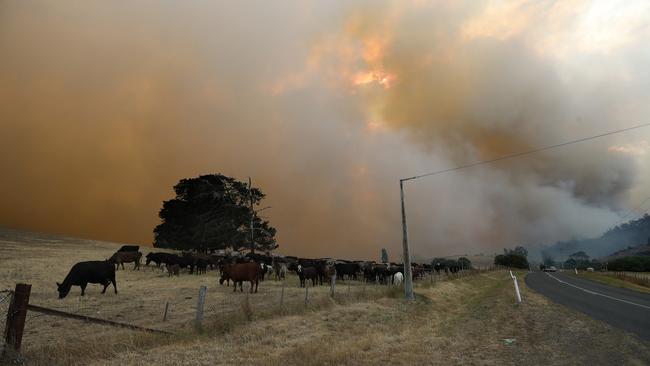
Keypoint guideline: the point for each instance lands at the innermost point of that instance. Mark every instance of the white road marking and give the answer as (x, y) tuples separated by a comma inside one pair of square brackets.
[(597, 293)]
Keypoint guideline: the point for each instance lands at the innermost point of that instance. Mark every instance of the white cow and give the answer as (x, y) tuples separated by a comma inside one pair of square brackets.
[(398, 278)]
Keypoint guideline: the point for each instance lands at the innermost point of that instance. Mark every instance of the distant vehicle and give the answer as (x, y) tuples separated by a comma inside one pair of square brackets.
[(550, 269), (590, 269)]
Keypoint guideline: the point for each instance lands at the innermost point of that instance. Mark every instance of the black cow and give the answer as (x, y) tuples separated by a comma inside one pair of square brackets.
[(319, 264), (201, 264), (347, 269), (369, 274), (157, 258), (162, 258), (129, 248), (307, 273), (186, 261), (378, 272), (321, 268), (445, 265), (83, 273)]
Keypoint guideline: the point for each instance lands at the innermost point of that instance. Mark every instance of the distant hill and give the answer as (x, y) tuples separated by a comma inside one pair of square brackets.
[(17, 236), (640, 250), (618, 238)]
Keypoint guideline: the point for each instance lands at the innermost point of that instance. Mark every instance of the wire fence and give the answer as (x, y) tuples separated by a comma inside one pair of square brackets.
[(96, 324), (5, 302), (639, 278)]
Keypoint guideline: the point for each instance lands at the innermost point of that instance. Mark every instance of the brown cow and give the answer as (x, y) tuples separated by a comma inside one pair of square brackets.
[(126, 257), (241, 272)]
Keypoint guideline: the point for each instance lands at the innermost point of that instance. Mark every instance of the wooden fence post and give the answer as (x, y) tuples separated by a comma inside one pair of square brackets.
[(306, 292), (166, 310), (333, 286), (16, 316), (349, 287), (282, 294), (199, 307)]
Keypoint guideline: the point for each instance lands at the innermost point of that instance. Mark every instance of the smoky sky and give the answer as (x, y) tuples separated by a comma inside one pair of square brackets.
[(105, 106)]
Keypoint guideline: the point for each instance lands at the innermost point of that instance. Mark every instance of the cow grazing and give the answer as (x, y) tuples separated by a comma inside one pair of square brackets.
[(158, 258), (83, 273), (307, 273), (126, 257), (241, 272)]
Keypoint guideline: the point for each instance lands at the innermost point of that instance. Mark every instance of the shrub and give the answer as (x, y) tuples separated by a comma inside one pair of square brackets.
[(511, 260), (631, 264)]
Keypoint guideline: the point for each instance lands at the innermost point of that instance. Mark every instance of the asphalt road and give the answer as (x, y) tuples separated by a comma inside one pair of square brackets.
[(622, 308)]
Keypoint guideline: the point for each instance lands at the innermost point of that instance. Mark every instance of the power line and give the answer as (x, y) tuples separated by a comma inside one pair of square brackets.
[(527, 152), (408, 276), (633, 212)]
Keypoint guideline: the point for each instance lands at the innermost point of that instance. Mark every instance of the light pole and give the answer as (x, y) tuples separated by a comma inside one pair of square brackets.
[(408, 276), (250, 194)]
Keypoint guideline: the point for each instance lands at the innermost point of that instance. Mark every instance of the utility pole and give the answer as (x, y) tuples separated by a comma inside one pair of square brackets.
[(250, 194), (408, 276)]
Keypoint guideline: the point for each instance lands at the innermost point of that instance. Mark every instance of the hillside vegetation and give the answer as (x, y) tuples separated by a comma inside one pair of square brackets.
[(630, 234)]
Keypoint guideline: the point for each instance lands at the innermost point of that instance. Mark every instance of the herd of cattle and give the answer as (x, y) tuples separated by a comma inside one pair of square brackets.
[(250, 267)]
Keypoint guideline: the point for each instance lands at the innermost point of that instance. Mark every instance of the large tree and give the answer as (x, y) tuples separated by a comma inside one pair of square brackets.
[(213, 212)]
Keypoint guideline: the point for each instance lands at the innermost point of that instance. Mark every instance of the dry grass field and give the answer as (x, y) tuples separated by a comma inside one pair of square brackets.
[(456, 321)]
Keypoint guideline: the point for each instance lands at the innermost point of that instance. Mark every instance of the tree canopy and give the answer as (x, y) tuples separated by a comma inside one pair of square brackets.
[(519, 250), (213, 212), (511, 260)]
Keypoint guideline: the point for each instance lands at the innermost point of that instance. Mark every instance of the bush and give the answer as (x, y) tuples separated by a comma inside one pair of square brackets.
[(631, 264), (511, 260)]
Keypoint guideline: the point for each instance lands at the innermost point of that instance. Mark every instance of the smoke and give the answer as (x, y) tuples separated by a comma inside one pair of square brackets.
[(104, 107)]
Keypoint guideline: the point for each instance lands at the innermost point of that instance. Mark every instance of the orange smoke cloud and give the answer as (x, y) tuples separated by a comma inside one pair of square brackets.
[(103, 107)]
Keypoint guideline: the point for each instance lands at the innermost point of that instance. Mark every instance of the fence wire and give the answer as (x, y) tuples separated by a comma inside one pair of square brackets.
[(177, 312), (5, 301)]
